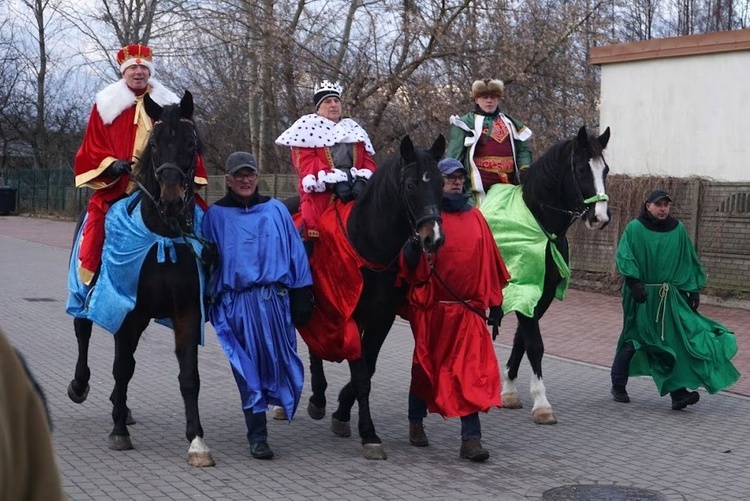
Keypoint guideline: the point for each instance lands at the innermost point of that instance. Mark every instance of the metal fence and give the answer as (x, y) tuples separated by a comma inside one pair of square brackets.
[(45, 191), (53, 191)]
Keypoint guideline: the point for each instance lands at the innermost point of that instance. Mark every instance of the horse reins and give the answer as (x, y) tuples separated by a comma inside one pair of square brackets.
[(414, 223), (465, 302), (584, 204)]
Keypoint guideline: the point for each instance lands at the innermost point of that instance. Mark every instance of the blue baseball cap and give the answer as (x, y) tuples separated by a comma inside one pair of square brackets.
[(448, 166)]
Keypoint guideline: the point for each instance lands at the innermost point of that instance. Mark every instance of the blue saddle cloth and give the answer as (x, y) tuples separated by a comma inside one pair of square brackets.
[(127, 242)]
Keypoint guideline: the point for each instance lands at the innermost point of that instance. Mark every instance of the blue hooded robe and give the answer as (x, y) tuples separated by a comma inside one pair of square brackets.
[(262, 257)]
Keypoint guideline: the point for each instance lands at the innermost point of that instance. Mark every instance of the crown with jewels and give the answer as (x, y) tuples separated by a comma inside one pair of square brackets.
[(328, 86)]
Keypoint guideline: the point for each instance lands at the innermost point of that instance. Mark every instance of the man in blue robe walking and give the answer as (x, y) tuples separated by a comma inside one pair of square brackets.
[(261, 289)]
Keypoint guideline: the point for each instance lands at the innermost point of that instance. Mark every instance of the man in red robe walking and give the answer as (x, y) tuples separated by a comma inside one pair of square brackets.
[(115, 138), (454, 367)]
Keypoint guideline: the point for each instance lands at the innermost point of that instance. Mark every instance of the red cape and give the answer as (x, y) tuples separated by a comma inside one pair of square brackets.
[(332, 334), (454, 368)]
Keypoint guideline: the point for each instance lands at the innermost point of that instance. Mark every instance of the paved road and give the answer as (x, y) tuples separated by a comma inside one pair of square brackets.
[(701, 453)]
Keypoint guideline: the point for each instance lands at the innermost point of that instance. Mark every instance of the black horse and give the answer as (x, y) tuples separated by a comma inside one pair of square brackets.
[(170, 289), (564, 184), (401, 201)]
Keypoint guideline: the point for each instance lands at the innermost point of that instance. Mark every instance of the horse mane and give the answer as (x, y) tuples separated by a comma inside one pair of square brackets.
[(381, 186), (544, 173)]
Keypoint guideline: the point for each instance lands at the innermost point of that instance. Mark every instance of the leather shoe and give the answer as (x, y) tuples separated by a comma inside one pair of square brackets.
[(682, 398), (261, 450), (619, 394), (417, 435), (472, 450)]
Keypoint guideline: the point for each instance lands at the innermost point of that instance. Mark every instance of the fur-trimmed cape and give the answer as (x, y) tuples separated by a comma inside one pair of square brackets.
[(117, 97)]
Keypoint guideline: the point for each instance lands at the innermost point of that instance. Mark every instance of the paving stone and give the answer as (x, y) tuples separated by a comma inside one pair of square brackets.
[(699, 453)]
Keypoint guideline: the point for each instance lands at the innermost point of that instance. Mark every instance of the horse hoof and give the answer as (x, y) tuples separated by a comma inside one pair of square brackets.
[(79, 399), (341, 428), (544, 416), (120, 443), (278, 413), (129, 419), (315, 412), (199, 454), (511, 401), (201, 459), (374, 451)]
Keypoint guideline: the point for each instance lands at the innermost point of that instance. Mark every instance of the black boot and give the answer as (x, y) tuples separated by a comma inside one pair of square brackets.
[(682, 398), (619, 394), (417, 436)]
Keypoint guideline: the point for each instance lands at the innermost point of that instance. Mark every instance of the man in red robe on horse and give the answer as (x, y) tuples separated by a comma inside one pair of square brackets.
[(331, 154), (115, 137)]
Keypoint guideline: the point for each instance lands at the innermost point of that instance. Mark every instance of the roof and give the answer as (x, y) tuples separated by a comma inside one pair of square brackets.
[(691, 45)]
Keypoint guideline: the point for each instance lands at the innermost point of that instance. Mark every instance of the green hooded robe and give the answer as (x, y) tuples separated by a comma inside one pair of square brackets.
[(677, 347)]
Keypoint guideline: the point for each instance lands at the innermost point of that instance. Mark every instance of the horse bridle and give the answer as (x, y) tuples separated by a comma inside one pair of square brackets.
[(186, 211), (431, 212), (584, 204)]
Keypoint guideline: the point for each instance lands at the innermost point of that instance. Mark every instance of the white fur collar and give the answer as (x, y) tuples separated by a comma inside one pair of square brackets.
[(116, 98), (315, 131)]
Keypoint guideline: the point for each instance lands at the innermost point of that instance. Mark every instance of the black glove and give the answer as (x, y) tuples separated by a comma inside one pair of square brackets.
[(118, 168), (495, 316), (343, 190), (358, 188), (412, 252), (694, 300), (301, 303), (210, 255), (638, 290)]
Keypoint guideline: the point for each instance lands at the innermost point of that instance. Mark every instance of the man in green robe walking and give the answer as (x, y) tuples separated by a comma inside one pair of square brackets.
[(663, 335)]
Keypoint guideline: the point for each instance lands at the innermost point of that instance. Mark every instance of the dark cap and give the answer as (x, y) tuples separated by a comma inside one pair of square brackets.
[(239, 160), (448, 166), (657, 195)]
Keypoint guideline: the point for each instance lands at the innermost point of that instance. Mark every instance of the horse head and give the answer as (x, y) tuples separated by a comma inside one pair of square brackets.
[(421, 187), (169, 161), (590, 174)]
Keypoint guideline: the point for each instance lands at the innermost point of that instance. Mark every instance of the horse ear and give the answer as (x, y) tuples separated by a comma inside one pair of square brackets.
[(604, 138), (186, 105), (583, 137), (407, 148), (438, 147), (153, 110)]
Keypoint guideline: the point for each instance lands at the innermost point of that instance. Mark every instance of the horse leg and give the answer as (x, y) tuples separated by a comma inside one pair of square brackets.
[(78, 389), (358, 390), (130, 420), (187, 335), (509, 392), (542, 410), (372, 446), (316, 408), (126, 341), (372, 340), (341, 418)]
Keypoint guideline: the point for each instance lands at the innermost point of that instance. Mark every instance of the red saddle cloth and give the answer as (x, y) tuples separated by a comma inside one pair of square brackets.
[(332, 334)]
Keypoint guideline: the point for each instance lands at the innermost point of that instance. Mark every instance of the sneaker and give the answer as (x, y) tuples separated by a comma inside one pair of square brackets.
[(417, 435), (619, 394), (472, 450), (261, 450), (682, 398)]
